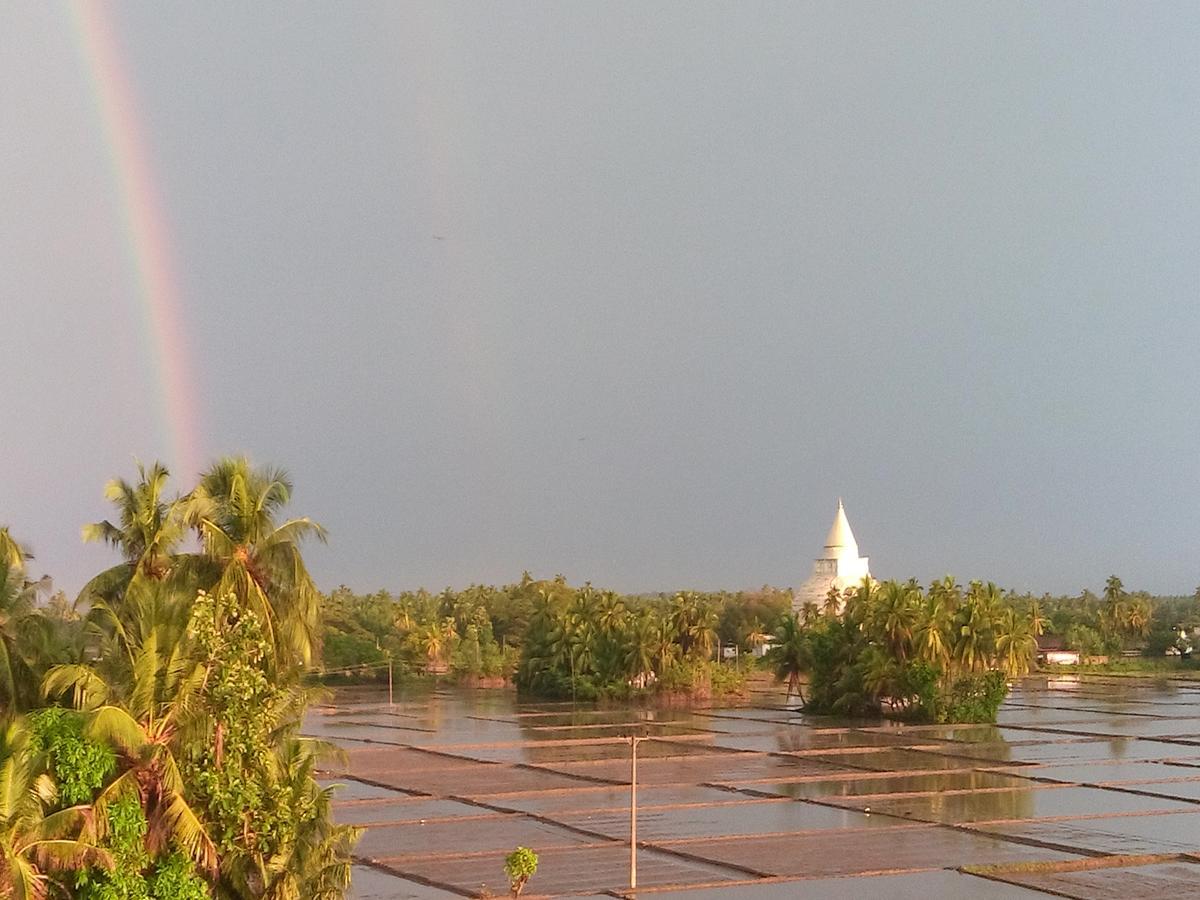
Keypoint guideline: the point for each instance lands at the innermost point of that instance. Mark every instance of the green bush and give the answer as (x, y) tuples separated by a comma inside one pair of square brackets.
[(80, 766), (974, 698), (520, 866)]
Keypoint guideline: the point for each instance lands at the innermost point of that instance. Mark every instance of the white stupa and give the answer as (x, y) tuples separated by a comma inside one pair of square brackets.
[(840, 567)]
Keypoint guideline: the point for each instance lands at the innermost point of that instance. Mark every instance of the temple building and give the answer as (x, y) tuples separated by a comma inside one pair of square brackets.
[(839, 567)]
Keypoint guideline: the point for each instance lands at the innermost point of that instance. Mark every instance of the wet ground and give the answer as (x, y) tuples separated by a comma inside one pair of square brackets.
[(1086, 788)]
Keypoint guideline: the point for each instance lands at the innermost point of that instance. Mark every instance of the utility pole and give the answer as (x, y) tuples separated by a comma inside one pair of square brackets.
[(633, 742), (391, 697)]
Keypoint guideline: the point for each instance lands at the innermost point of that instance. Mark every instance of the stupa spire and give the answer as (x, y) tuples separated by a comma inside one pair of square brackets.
[(841, 542)]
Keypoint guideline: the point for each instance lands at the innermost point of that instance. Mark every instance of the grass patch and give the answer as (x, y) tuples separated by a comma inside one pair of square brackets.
[(999, 870)]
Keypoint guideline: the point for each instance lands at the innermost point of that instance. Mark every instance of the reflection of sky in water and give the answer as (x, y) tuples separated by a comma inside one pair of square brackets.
[(916, 886), (1173, 833), (371, 884), (751, 775)]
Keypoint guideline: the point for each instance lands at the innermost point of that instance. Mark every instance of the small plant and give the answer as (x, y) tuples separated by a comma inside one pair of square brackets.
[(519, 866)]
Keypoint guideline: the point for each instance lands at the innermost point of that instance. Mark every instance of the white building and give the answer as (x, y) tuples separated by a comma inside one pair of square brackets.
[(840, 567)]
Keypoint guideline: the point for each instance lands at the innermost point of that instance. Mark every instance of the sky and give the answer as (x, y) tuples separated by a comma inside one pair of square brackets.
[(628, 292)]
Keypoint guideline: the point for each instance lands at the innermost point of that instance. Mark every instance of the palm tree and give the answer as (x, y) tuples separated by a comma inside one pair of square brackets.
[(949, 592), (881, 675), (896, 617), (756, 635), (1016, 644), (146, 718), (682, 611), (1037, 620), (640, 646), (611, 612), (234, 510), (31, 842), (150, 527), (861, 602), (23, 632), (934, 642), (791, 655), (580, 636), (834, 601), (316, 863), (1138, 615), (12, 554), (702, 632), (973, 638), (431, 640), (665, 646)]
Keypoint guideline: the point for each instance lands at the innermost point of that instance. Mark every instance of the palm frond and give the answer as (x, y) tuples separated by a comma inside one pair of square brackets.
[(115, 725), (88, 689)]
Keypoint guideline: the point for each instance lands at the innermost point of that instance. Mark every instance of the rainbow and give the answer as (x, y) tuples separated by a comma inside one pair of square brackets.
[(160, 302)]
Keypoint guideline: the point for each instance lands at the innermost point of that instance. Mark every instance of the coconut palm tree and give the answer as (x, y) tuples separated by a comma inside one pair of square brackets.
[(1138, 614), (702, 631), (32, 843), (973, 644), (833, 603), (147, 718), (234, 510), (1037, 619), (611, 612), (757, 635), (12, 554), (22, 632), (1016, 644), (682, 611), (431, 641), (640, 646), (895, 617), (791, 655), (580, 636), (949, 592), (882, 673), (149, 527), (932, 636), (665, 646)]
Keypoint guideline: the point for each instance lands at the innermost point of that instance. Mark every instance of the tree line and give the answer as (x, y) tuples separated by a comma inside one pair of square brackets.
[(549, 637), (150, 743)]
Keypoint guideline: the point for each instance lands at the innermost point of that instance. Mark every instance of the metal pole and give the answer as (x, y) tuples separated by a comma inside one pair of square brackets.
[(391, 698), (633, 742)]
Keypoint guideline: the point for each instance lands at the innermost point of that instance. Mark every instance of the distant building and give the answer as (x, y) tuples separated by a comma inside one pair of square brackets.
[(1052, 650), (839, 567)]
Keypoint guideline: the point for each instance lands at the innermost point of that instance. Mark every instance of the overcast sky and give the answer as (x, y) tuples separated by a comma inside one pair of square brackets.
[(630, 292)]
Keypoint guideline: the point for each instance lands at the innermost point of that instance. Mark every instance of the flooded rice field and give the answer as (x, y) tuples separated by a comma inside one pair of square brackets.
[(1088, 787)]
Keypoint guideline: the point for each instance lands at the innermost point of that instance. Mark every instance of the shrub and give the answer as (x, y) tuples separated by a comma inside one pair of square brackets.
[(80, 766), (520, 866), (974, 698)]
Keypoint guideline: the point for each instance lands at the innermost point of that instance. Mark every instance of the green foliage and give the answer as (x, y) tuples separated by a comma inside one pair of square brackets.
[(190, 704), (125, 839), (134, 876), (347, 651), (175, 878), (936, 656), (922, 688), (520, 866), (973, 698), (79, 766), (584, 642), (1087, 640), (232, 776)]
